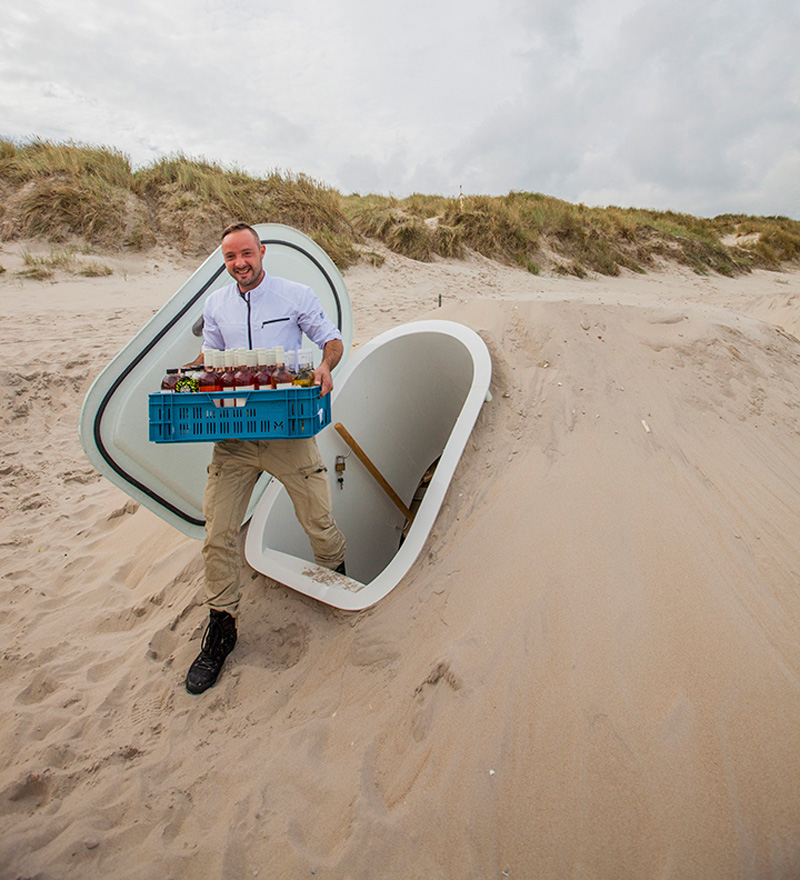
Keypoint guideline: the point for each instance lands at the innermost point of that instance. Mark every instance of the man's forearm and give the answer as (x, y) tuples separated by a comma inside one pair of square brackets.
[(332, 353)]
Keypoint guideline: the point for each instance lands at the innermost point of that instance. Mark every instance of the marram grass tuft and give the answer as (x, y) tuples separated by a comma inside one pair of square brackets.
[(66, 192)]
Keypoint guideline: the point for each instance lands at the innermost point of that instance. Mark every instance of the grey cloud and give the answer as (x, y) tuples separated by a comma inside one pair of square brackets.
[(685, 103), (690, 106)]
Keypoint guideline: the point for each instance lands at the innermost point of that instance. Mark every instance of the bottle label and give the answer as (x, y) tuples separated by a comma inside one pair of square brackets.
[(242, 401), (186, 384)]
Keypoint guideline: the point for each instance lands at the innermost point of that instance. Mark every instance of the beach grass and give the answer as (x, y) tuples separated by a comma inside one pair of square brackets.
[(193, 200), (42, 267), (65, 192)]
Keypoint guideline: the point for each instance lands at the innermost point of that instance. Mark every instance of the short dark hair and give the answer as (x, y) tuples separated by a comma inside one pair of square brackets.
[(236, 227)]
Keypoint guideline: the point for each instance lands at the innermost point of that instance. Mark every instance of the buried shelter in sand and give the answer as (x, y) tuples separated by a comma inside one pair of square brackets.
[(409, 399), (592, 669)]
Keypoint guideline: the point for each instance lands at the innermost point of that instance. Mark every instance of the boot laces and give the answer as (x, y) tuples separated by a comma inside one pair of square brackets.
[(213, 645)]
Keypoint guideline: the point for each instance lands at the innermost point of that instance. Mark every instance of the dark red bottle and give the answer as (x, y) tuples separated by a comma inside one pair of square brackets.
[(226, 379), (264, 372), (170, 380)]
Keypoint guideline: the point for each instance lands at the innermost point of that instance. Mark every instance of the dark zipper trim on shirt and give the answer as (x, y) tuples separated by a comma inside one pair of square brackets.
[(274, 321), (246, 297)]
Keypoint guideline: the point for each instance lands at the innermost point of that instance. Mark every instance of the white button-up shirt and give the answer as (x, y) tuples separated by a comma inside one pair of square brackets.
[(277, 312)]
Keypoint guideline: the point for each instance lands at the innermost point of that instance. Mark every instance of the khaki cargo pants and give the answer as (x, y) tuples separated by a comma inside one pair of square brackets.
[(235, 467)]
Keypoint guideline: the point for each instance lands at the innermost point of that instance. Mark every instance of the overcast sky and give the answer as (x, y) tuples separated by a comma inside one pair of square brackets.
[(691, 105)]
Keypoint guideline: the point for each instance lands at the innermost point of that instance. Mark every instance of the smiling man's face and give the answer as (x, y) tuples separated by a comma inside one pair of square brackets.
[(243, 254)]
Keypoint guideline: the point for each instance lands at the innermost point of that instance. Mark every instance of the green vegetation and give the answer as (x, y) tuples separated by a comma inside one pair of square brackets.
[(75, 192), (529, 229), (62, 190), (67, 259), (191, 201), (93, 269)]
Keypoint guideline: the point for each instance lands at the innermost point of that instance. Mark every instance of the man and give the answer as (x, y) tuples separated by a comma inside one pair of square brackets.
[(259, 311)]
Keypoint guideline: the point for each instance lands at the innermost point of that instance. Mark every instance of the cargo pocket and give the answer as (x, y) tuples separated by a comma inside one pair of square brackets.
[(312, 470)]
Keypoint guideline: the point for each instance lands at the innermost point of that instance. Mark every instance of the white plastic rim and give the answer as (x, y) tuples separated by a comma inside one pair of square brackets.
[(169, 479), (409, 397)]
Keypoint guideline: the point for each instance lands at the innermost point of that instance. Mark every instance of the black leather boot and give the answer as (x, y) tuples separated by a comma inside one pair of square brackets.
[(218, 641)]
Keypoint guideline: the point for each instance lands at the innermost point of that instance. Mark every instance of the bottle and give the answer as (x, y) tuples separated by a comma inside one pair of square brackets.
[(226, 380), (170, 380), (208, 380), (290, 362), (243, 378), (305, 368), (261, 365), (272, 363), (251, 359), (281, 378), (218, 368), (187, 381), (264, 371)]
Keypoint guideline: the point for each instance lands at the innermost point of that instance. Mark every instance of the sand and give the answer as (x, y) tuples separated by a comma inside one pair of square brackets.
[(592, 671)]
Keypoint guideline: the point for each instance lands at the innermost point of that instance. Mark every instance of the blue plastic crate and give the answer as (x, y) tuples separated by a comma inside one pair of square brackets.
[(265, 415)]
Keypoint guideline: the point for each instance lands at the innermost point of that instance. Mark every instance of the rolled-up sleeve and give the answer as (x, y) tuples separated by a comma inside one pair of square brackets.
[(212, 335), (313, 321)]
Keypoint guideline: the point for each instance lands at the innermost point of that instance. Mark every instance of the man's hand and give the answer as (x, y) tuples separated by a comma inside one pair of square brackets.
[(199, 361), (331, 355)]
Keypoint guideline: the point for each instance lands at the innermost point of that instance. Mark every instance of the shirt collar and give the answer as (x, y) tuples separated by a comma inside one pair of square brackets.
[(247, 294)]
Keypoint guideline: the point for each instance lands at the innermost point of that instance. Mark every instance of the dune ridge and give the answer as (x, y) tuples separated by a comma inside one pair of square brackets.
[(593, 669)]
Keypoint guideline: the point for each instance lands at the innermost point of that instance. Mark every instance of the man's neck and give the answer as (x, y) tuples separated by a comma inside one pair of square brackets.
[(252, 286)]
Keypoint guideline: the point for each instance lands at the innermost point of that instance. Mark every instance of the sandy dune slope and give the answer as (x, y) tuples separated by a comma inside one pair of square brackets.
[(593, 669)]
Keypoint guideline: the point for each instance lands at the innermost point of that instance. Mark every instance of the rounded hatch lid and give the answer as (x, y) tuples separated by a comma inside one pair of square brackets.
[(169, 479)]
